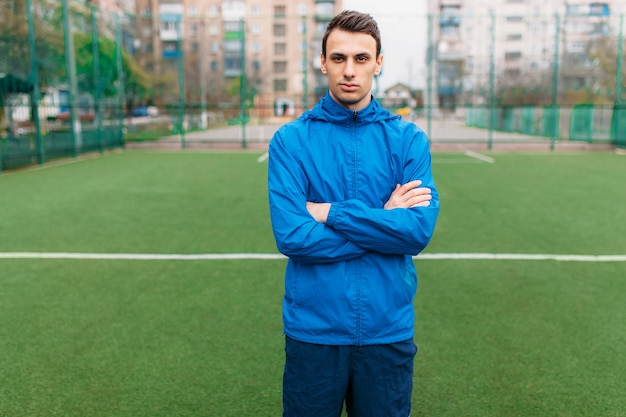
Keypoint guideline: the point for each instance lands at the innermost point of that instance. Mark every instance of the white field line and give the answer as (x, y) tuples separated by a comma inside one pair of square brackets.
[(482, 157), (263, 157), (273, 256)]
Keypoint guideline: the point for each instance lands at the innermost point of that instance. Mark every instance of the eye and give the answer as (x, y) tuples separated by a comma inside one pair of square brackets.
[(362, 58), (337, 58)]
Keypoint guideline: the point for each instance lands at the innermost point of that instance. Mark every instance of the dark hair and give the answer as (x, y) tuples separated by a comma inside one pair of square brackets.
[(352, 21)]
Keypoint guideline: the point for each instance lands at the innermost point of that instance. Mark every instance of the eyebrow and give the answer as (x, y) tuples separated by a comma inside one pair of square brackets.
[(342, 55)]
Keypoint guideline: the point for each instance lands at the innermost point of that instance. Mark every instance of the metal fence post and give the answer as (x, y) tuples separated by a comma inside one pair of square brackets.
[(120, 74), (555, 82), (618, 137), (492, 82), (181, 84), (70, 63), (96, 76), (242, 82), (429, 82), (34, 80)]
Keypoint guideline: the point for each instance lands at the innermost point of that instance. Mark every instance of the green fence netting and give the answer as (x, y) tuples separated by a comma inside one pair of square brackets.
[(74, 77), (618, 128), (581, 123), (65, 69)]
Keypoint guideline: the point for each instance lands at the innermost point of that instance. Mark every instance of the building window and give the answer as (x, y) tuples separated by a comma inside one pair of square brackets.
[(513, 72), (169, 26), (194, 47), (194, 29), (514, 19), (450, 31), (215, 47), (280, 11), (255, 29), (256, 47), (232, 26), (232, 64), (280, 67), (233, 45), (214, 29), (213, 10), (193, 10), (280, 48), (599, 9), (324, 9), (280, 85), (214, 66), (514, 37), (512, 56), (280, 29)]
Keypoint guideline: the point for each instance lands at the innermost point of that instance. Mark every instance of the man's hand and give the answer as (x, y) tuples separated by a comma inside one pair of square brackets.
[(319, 211), (409, 195), (404, 196)]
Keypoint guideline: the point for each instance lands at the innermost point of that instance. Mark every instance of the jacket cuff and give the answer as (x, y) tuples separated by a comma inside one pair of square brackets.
[(333, 214)]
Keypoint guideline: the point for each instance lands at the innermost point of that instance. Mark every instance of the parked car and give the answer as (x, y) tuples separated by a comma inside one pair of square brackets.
[(83, 116), (144, 111), (139, 112)]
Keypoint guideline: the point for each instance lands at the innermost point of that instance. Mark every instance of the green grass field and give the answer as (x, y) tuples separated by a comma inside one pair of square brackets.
[(151, 338)]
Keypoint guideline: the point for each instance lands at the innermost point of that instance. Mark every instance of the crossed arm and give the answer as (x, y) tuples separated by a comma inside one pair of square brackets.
[(404, 196)]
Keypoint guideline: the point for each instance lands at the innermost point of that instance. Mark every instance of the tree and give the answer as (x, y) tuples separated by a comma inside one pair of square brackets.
[(136, 81), (50, 51)]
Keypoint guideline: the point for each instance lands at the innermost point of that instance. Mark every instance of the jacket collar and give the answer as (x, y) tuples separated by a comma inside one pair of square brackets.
[(329, 110)]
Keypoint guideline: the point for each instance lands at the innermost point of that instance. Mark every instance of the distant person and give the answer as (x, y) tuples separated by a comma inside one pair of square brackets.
[(351, 198)]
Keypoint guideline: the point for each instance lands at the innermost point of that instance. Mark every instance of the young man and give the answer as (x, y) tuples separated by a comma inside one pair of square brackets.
[(351, 198)]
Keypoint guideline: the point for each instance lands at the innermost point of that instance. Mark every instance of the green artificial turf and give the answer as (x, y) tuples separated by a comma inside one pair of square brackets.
[(134, 338)]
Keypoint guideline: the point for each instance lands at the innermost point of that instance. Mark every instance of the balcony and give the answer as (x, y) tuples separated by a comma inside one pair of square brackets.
[(170, 27), (229, 36), (449, 20), (450, 16), (171, 54)]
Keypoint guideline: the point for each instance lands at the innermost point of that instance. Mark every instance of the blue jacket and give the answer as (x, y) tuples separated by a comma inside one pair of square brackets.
[(352, 280)]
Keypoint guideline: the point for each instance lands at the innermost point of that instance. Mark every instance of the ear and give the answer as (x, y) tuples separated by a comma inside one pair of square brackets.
[(379, 65), (323, 63)]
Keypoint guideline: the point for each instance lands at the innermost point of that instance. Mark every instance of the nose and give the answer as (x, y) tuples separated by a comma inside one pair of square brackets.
[(349, 70)]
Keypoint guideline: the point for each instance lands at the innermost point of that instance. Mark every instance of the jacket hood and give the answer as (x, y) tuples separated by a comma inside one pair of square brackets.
[(327, 109)]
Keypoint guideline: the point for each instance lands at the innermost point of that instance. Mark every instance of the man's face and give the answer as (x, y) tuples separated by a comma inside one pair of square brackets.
[(350, 65)]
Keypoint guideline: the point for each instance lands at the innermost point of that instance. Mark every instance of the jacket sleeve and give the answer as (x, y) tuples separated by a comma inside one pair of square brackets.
[(399, 231), (298, 235)]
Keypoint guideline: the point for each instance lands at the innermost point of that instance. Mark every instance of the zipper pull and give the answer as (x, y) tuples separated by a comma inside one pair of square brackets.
[(354, 115)]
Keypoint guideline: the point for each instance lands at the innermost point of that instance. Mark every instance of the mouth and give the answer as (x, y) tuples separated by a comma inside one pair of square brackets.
[(348, 87)]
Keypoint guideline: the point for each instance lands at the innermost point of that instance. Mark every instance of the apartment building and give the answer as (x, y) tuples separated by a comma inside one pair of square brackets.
[(273, 44), (514, 44)]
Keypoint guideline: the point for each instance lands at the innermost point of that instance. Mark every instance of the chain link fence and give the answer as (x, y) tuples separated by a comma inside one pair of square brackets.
[(62, 68), (76, 79)]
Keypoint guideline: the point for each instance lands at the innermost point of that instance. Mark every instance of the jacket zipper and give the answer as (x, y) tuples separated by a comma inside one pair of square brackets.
[(356, 265)]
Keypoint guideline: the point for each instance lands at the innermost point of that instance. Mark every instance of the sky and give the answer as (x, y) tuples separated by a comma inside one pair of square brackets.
[(403, 28)]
